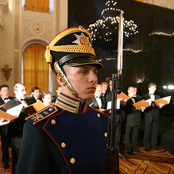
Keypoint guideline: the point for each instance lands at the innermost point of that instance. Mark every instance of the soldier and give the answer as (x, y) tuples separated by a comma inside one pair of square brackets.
[(69, 137)]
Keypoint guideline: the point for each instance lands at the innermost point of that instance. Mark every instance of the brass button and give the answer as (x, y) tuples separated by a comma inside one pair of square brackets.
[(98, 115), (50, 109), (53, 121), (105, 134), (72, 161), (63, 145)]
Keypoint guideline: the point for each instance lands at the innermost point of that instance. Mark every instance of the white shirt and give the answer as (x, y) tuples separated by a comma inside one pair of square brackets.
[(5, 100), (98, 99), (37, 99), (23, 102), (152, 96)]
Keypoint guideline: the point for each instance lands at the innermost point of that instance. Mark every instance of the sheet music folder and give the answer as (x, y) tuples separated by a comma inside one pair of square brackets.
[(123, 96), (3, 105), (35, 107), (165, 100), (11, 113), (6, 116), (141, 103)]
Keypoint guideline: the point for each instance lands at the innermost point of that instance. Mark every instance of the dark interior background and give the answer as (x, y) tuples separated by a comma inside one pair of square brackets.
[(154, 63)]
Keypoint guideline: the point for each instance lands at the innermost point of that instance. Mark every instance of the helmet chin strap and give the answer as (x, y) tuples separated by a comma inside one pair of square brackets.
[(65, 79)]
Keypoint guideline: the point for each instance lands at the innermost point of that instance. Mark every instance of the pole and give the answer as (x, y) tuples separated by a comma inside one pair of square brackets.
[(111, 160)]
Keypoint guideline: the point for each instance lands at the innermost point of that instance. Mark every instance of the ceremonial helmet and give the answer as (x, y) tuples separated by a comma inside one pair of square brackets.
[(72, 47)]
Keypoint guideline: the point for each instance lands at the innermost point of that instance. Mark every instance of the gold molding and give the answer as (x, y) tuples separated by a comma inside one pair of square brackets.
[(7, 72)]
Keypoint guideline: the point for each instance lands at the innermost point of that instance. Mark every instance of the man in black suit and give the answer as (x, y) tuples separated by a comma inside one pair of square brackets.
[(35, 95), (151, 117), (132, 122), (96, 101), (109, 93), (104, 86), (4, 98), (58, 90), (136, 95), (15, 127)]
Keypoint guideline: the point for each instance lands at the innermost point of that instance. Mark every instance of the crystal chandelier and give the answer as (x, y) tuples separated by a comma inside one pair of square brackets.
[(104, 32)]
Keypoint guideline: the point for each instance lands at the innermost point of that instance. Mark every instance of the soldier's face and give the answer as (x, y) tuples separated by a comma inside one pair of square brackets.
[(83, 79)]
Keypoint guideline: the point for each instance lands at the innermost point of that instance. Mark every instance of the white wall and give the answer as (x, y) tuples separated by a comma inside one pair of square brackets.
[(19, 30), (8, 45), (163, 3)]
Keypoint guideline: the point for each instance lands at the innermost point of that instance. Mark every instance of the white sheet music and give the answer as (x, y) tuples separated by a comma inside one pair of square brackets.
[(149, 101), (118, 104), (168, 98), (15, 111)]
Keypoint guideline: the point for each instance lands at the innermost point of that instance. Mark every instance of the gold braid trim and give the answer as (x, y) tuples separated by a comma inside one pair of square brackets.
[(48, 56), (73, 49), (64, 78), (68, 48)]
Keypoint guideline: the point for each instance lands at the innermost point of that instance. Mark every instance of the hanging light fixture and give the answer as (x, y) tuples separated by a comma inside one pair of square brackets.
[(104, 31)]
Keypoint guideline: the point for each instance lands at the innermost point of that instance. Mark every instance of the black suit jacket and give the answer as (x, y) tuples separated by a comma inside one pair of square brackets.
[(33, 100), (132, 115), (4, 129), (108, 97), (103, 98), (54, 98), (2, 101), (151, 113), (93, 103), (15, 127)]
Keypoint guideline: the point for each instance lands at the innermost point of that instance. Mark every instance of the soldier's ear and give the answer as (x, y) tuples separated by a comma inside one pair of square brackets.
[(60, 81)]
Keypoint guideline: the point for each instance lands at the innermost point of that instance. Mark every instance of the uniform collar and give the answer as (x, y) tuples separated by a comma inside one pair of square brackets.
[(72, 105)]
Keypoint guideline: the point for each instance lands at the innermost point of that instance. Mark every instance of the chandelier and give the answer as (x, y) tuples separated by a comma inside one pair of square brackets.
[(104, 32)]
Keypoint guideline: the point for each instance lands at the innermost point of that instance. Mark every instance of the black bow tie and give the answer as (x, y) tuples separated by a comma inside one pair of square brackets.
[(6, 98), (22, 99)]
